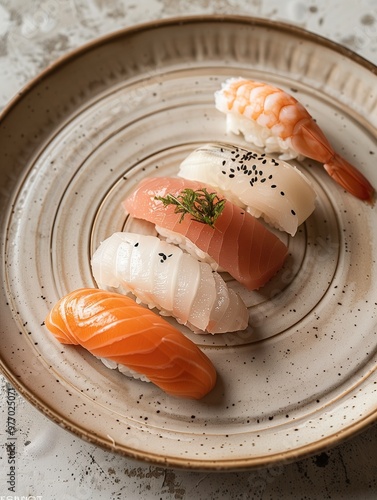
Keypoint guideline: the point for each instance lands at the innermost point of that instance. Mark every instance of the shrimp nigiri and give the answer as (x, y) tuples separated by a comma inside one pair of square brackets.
[(162, 275), (114, 327), (270, 118), (267, 188), (236, 241)]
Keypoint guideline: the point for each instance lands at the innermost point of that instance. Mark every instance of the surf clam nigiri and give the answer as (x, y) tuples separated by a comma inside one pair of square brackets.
[(267, 188), (161, 275), (237, 242), (113, 327)]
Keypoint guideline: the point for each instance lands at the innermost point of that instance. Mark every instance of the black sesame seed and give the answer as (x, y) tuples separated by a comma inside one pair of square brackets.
[(293, 212), (282, 193), (273, 186)]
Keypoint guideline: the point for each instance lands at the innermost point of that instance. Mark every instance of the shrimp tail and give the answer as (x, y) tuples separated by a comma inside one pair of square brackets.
[(350, 178), (309, 140)]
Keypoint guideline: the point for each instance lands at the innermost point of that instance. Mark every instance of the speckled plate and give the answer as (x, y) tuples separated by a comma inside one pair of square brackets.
[(76, 141)]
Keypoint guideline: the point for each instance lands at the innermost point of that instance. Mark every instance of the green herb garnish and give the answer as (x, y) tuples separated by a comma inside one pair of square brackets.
[(204, 207)]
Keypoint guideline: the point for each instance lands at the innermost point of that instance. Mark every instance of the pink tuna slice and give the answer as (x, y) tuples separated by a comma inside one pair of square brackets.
[(238, 242)]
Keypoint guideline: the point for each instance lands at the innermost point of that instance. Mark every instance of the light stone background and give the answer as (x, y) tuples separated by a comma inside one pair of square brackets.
[(53, 464)]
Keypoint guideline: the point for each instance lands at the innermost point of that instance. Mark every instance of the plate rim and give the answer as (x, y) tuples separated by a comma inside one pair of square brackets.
[(176, 20), (90, 436)]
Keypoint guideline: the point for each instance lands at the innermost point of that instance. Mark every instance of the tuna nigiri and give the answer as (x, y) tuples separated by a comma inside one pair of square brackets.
[(271, 118), (273, 190), (112, 326), (162, 275), (236, 241)]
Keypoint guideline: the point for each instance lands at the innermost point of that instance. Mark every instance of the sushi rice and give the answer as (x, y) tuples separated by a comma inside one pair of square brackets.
[(124, 370)]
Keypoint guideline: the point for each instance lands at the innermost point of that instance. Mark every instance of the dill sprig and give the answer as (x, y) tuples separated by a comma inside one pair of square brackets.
[(203, 206)]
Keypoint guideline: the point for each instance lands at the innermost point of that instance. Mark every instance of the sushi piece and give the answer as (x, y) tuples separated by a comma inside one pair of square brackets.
[(232, 238), (271, 118), (162, 275), (265, 187), (114, 327)]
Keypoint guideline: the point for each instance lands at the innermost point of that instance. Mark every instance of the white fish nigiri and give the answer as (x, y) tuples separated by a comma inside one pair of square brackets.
[(265, 187), (161, 275)]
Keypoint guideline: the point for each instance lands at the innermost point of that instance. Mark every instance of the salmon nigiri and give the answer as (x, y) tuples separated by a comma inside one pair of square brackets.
[(188, 210), (114, 327), (271, 118)]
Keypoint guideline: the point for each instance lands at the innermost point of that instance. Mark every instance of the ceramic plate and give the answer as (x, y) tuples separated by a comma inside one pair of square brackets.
[(76, 141)]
